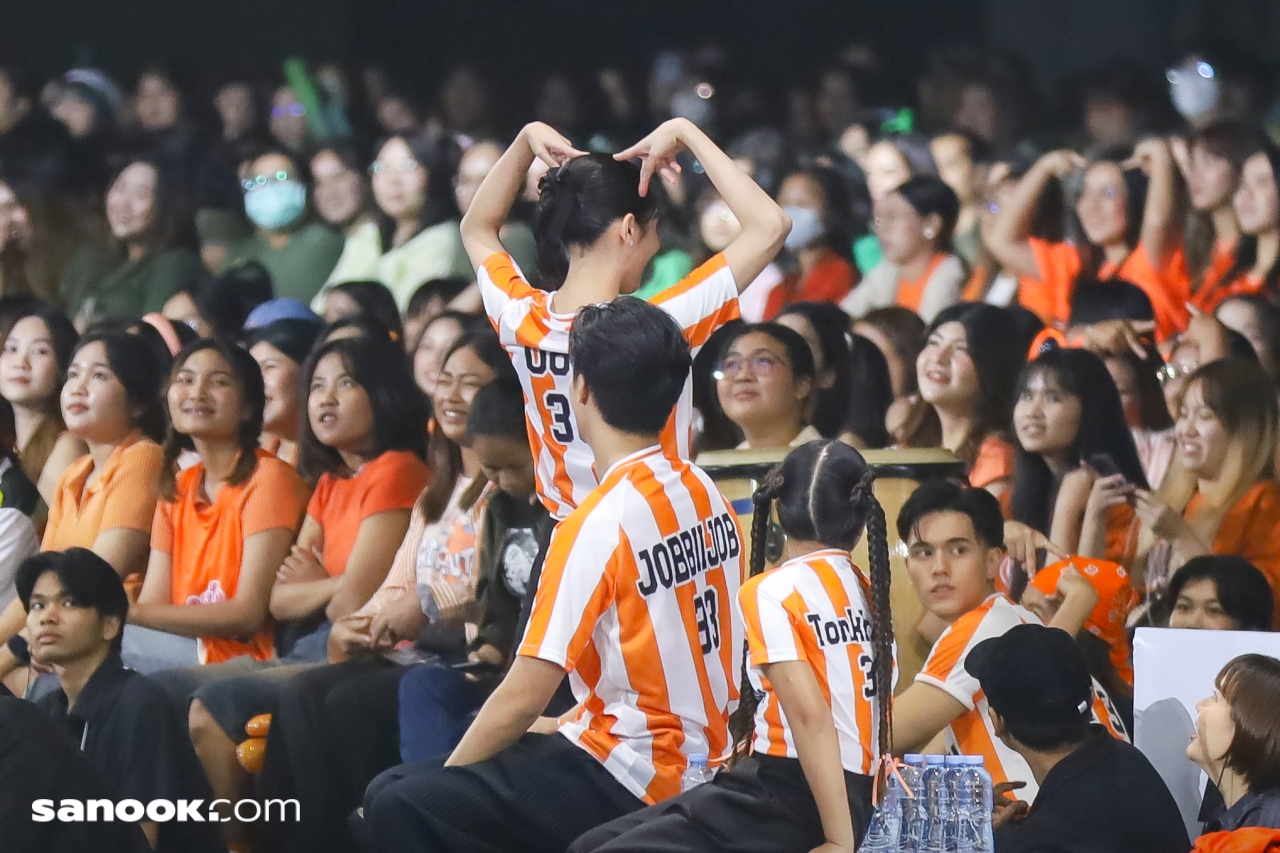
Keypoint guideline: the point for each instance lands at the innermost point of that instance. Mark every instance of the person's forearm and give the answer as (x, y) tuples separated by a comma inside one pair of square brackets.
[(1013, 224), (499, 190), (224, 619), (291, 601), (1072, 615), (1093, 535), (504, 718), (8, 662), (1158, 217), (12, 620), (752, 206), (818, 747)]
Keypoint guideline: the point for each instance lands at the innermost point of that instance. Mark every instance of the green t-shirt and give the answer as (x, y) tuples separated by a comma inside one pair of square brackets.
[(300, 267), (98, 284)]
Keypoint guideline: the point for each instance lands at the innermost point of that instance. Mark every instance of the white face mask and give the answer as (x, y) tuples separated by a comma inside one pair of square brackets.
[(1194, 88), (806, 227)]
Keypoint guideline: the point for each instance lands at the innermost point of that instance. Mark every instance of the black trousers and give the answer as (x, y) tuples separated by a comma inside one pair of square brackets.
[(334, 729), (537, 796), (763, 805)]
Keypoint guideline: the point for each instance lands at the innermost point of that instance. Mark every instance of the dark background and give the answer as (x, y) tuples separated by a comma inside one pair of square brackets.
[(780, 41)]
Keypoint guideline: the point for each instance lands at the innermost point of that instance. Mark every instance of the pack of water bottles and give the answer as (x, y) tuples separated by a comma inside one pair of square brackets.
[(934, 804)]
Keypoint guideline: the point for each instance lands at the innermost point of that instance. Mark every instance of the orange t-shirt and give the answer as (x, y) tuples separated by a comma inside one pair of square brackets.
[(910, 292), (1031, 294), (830, 280), (1250, 530), (341, 504), (994, 462), (1213, 288), (205, 540), (1060, 264), (123, 496)]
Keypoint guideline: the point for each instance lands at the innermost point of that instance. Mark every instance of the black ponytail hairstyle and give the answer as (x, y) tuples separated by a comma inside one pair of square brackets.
[(578, 201), (823, 492)]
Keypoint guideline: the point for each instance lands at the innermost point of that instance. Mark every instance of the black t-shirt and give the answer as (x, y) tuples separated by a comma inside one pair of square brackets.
[(1103, 798), (132, 732)]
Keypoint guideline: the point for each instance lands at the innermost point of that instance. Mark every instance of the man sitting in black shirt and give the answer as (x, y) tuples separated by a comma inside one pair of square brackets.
[(126, 725), (1097, 794)]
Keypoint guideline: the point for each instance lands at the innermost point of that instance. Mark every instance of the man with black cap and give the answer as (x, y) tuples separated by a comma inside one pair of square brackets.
[(1097, 794), (126, 726)]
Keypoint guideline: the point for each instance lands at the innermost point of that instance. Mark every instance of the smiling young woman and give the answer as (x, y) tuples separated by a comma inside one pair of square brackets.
[(33, 367), (1220, 495)]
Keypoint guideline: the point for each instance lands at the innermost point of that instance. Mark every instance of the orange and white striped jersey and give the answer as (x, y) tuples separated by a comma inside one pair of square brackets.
[(973, 733), (636, 603), (537, 339), (814, 609)]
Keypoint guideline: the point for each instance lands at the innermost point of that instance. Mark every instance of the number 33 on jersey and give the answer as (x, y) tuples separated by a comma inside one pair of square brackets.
[(636, 603), (537, 340)]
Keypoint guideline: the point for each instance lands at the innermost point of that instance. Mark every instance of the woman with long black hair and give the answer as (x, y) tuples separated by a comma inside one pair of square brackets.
[(1070, 427)]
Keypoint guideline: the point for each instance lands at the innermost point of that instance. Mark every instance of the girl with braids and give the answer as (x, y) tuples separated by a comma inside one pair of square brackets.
[(817, 690)]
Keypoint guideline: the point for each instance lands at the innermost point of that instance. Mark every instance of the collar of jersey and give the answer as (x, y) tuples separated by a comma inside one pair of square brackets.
[(821, 552), (628, 460)]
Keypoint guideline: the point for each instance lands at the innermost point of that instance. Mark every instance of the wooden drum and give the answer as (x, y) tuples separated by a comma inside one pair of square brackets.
[(898, 472)]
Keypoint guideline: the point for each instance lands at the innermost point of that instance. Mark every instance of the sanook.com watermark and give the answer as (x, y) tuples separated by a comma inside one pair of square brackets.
[(165, 811)]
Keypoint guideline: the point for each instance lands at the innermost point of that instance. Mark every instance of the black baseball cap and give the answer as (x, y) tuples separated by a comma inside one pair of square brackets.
[(1033, 673)]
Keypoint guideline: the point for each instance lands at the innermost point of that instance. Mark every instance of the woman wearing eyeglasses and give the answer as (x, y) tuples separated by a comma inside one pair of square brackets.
[(297, 251), (764, 381), (413, 236)]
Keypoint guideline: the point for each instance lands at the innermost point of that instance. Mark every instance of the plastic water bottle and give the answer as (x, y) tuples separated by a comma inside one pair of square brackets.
[(696, 773), (937, 805), (966, 800), (911, 804), (882, 833), (984, 801), (954, 766)]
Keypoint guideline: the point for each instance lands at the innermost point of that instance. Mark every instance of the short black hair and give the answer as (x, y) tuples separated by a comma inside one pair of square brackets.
[(444, 289), (634, 360), (400, 411), (374, 299), (1243, 590), (1094, 301), (90, 580), (498, 411), (227, 300), (945, 496)]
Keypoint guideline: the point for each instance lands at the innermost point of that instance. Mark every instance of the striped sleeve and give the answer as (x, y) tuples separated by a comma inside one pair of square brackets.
[(277, 498), (131, 498), (500, 284), (771, 635), (702, 301), (575, 588), (945, 667), (400, 578)]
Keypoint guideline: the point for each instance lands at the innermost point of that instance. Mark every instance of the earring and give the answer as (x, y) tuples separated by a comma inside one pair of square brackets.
[(631, 243), (929, 233)]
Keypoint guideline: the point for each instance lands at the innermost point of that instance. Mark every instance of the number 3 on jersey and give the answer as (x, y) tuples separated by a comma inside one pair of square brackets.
[(706, 613), (557, 406)]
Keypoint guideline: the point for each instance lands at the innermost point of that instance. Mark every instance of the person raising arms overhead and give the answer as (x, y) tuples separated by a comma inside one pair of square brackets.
[(596, 230)]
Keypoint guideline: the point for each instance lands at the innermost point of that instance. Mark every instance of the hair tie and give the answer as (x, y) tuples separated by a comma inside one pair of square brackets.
[(771, 485), (164, 326), (863, 489)]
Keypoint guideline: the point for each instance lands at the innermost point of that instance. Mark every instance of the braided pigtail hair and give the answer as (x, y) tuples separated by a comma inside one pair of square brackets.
[(742, 721), (881, 609)]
